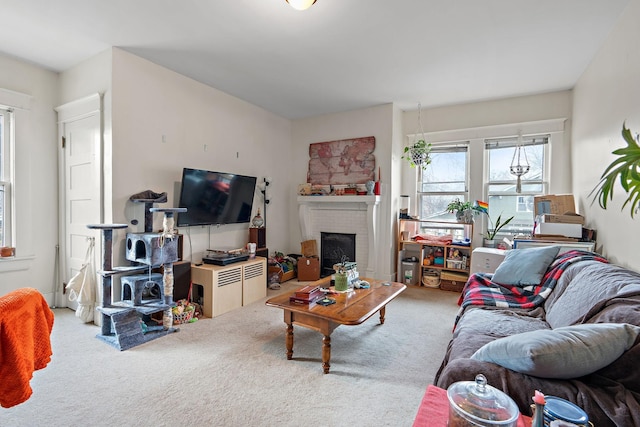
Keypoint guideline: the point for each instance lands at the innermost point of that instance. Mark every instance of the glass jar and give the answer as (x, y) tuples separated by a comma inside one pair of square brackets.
[(473, 404)]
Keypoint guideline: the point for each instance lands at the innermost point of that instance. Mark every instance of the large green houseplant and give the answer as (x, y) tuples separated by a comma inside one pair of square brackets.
[(626, 168)]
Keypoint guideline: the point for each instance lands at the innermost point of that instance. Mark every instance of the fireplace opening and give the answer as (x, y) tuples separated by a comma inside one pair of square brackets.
[(335, 248)]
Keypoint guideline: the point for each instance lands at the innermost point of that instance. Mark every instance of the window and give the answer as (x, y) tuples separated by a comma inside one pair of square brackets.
[(6, 120), (503, 200), (444, 180)]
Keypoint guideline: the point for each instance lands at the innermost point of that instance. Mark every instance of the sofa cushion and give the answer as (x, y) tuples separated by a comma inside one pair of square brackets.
[(567, 352), (525, 266), (478, 326)]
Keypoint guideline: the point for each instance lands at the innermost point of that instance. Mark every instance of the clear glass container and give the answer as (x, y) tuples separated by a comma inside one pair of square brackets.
[(475, 403)]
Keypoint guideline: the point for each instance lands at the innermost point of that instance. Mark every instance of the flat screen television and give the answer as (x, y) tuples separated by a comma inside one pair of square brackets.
[(215, 198)]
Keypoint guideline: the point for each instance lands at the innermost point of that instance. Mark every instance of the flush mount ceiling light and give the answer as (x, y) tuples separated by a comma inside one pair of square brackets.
[(301, 4)]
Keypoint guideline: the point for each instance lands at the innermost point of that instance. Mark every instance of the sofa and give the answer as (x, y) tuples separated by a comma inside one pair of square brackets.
[(571, 331)]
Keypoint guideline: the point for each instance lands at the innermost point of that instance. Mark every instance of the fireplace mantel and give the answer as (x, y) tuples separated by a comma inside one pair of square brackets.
[(341, 205)]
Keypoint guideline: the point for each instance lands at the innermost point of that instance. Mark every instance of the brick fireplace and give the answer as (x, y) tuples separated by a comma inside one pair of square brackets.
[(344, 214)]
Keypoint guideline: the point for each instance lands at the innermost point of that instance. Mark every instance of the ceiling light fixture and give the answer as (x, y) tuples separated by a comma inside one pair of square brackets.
[(301, 4)]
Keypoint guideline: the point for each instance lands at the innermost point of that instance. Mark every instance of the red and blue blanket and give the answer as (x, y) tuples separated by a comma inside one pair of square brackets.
[(480, 290)]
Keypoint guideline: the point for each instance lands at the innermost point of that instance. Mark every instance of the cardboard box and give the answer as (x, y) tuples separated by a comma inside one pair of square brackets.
[(557, 229), (559, 204), (308, 268), (309, 248), (563, 219)]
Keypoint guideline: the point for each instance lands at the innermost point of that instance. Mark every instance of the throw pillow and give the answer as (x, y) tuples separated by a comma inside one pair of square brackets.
[(524, 267), (563, 353)]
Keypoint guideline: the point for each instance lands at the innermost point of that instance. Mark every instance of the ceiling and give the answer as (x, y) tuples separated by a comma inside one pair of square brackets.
[(337, 56)]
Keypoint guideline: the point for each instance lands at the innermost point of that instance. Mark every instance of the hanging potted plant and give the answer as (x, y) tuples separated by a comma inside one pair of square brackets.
[(417, 154), (463, 210)]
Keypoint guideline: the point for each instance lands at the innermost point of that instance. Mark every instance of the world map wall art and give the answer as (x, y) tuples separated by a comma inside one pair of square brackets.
[(346, 161)]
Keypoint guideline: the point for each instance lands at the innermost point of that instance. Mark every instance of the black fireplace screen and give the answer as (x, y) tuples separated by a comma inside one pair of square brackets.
[(335, 248)]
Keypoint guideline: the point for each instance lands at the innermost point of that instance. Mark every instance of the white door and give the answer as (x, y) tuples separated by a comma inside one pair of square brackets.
[(81, 193)]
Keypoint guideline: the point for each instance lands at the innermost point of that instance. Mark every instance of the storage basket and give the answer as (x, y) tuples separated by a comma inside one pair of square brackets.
[(431, 278), (454, 263), (185, 316)]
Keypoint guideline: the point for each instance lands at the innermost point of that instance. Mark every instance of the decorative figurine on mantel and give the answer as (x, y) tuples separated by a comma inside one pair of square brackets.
[(370, 185)]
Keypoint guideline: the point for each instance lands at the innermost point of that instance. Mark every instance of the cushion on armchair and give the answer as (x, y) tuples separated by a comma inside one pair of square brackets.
[(563, 353)]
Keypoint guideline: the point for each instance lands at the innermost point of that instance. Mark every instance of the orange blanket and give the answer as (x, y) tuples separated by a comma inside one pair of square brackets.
[(26, 322)]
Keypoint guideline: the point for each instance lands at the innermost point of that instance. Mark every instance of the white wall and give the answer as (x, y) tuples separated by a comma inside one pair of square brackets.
[(477, 117), (150, 101), (476, 121), (36, 193), (162, 122), (375, 121), (87, 78), (607, 95)]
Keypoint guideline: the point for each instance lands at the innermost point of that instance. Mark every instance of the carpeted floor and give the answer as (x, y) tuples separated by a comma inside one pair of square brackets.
[(232, 371)]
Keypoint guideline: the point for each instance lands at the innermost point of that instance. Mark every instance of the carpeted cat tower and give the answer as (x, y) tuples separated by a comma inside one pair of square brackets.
[(128, 322)]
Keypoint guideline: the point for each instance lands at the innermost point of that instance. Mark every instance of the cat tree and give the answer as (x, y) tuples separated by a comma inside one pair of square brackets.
[(128, 322)]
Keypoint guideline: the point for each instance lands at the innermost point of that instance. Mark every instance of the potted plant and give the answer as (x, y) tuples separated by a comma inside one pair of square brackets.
[(493, 229), (463, 210), (627, 168), (417, 154)]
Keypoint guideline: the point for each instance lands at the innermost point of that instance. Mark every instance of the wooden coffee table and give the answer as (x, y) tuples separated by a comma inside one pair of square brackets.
[(351, 308)]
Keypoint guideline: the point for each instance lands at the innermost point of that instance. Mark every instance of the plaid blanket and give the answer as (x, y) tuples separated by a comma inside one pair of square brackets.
[(480, 290)]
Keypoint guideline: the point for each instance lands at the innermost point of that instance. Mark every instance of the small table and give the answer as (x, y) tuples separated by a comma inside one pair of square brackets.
[(351, 308)]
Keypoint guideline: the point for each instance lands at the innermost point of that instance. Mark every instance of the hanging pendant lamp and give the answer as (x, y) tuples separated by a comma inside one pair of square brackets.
[(301, 4), (518, 169)]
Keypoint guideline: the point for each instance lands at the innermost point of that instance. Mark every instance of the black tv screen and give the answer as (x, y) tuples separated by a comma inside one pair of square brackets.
[(215, 197)]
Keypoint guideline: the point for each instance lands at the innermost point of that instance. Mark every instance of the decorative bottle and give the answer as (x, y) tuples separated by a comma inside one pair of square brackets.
[(538, 413)]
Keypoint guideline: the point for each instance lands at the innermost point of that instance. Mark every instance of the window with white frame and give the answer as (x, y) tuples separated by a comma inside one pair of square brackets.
[(443, 181), (6, 120), (504, 200)]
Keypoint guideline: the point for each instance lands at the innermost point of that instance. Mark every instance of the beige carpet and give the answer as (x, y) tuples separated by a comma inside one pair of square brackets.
[(232, 371)]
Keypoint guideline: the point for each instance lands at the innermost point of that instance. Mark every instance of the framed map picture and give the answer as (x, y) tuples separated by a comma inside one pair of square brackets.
[(346, 161)]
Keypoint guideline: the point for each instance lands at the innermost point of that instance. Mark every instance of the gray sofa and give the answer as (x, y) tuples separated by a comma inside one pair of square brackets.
[(587, 292)]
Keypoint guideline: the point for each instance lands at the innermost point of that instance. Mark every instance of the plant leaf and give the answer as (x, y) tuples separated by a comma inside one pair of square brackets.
[(626, 169)]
